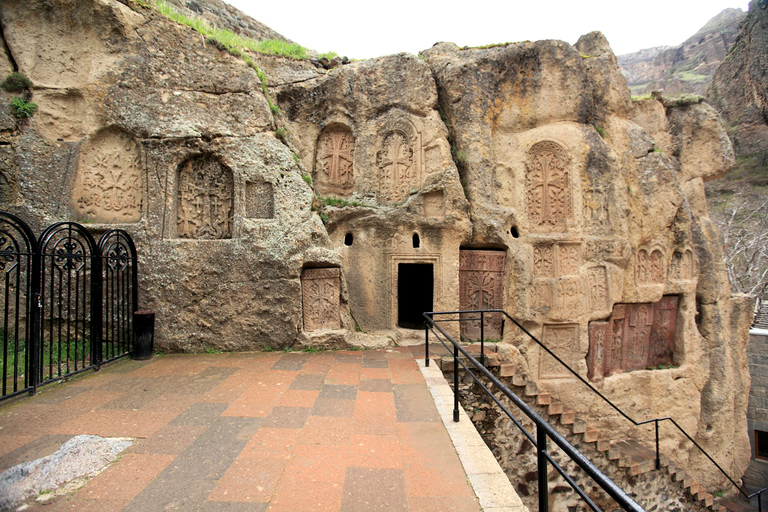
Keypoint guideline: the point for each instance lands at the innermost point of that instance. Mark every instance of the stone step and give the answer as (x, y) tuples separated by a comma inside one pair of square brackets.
[(544, 398), (568, 417), (555, 409), (519, 380), (531, 389), (603, 445), (591, 435), (579, 426)]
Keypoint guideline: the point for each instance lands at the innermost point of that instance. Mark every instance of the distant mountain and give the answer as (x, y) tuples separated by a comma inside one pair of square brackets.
[(687, 68)]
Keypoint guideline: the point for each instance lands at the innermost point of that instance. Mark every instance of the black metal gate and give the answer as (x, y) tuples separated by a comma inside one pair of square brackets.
[(67, 301)]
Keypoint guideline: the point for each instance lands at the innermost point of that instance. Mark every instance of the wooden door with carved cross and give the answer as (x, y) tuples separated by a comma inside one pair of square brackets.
[(481, 286)]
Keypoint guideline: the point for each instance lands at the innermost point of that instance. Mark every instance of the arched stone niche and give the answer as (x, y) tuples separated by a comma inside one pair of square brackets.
[(549, 192), (108, 183), (204, 199), (400, 160), (334, 162), (650, 266)]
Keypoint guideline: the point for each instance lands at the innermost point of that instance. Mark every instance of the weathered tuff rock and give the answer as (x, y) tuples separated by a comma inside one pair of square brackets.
[(520, 176), (739, 89)]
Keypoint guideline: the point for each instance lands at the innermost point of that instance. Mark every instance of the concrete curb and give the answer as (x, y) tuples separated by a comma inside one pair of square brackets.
[(491, 485)]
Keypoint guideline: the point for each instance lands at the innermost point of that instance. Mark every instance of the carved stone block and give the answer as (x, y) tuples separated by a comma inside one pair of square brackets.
[(108, 187), (568, 260), (563, 341), (682, 266), (549, 190), (636, 336), (398, 166), (597, 286), (320, 290), (259, 200), (556, 260), (650, 268), (543, 261), (570, 300), (481, 286), (334, 170), (204, 202), (434, 205)]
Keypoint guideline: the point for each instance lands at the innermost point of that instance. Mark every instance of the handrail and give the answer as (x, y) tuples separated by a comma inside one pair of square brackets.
[(614, 406), (543, 431)]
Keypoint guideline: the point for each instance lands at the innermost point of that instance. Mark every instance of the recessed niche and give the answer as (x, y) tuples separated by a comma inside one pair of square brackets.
[(416, 241), (348, 239)]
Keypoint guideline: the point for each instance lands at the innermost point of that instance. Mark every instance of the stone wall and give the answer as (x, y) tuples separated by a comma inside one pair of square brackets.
[(756, 476)]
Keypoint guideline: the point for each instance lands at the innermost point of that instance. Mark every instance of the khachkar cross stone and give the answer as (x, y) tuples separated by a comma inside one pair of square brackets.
[(549, 189), (205, 200), (481, 286), (398, 171), (108, 187), (320, 298), (335, 159)]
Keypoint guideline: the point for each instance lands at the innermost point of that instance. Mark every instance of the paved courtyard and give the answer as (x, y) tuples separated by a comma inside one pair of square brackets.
[(327, 431)]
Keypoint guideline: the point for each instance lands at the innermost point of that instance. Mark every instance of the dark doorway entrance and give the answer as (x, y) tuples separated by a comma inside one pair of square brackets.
[(414, 293)]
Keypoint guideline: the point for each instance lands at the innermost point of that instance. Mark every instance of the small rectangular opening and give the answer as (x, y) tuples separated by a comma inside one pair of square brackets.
[(415, 283), (761, 444)]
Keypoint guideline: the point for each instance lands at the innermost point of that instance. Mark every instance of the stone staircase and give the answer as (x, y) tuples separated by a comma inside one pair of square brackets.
[(628, 458)]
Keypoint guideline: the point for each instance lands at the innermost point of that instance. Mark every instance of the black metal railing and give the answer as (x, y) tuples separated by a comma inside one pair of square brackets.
[(655, 421), (67, 301), (544, 431)]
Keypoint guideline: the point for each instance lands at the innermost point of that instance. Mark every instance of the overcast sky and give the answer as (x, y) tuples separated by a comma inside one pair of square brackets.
[(362, 30)]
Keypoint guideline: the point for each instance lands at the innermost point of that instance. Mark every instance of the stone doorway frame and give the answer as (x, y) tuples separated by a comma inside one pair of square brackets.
[(437, 277)]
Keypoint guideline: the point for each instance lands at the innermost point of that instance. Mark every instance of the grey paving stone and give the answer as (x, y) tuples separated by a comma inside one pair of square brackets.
[(291, 362), (308, 382), (233, 506), (414, 403), (338, 391), (334, 407), (370, 489), (376, 385), (200, 414), (375, 363), (177, 495), (287, 417), (349, 358)]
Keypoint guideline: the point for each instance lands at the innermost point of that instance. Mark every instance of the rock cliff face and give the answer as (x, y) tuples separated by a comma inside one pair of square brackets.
[(687, 68), (739, 89), (520, 176)]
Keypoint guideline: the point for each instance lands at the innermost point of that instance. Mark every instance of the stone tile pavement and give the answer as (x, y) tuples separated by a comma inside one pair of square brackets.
[(329, 431)]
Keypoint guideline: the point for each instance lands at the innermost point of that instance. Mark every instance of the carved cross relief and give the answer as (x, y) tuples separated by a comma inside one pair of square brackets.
[(109, 179), (549, 189), (335, 161), (320, 298), (399, 171), (481, 286), (636, 336), (205, 200)]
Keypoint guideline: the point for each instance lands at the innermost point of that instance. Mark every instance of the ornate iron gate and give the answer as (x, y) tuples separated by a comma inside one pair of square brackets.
[(67, 301)]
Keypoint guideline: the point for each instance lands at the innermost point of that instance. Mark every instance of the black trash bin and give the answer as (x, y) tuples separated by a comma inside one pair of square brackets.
[(143, 334)]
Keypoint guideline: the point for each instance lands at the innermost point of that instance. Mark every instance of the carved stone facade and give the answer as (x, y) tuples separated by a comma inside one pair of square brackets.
[(650, 268), (108, 187), (320, 292), (597, 286), (259, 200), (549, 190), (398, 164), (334, 167), (481, 286), (682, 266), (635, 337), (204, 202), (563, 341)]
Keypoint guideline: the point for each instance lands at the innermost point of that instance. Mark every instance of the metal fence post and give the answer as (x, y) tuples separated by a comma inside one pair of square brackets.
[(541, 449)]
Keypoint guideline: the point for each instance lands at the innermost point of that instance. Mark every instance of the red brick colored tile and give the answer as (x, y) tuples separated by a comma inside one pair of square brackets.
[(249, 479), (117, 423), (272, 443), (327, 430), (318, 463), (443, 504), (126, 478), (297, 496), (351, 378), (407, 377), (231, 388), (257, 402), (170, 439), (299, 398), (10, 443), (375, 413), (374, 451)]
